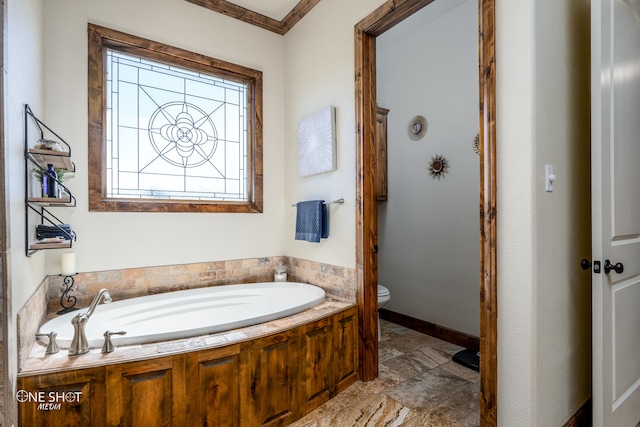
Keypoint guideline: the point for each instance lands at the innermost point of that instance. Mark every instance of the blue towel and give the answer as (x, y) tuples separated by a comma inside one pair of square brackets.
[(312, 222)]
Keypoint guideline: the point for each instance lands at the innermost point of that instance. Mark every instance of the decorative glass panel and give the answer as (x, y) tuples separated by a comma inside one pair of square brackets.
[(173, 133)]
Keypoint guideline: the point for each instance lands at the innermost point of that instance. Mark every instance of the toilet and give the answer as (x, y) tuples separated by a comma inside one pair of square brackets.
[(383, 298)]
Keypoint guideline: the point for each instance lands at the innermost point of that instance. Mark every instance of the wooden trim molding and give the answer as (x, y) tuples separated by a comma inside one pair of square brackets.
[(366, 208), (488, 225), (257, 19), (100, 39), (582, 417), (437, 331), (366, 31), (389, 14)]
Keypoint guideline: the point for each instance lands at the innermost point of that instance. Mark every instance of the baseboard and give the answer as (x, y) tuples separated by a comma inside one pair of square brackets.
[(582, 417), (441, 332)]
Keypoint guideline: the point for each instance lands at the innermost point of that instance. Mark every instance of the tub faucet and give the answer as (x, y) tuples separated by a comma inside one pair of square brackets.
[(80, 344)]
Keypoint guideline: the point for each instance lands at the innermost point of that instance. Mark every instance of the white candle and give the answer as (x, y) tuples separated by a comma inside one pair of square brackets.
[(280, 273), (68, 264)]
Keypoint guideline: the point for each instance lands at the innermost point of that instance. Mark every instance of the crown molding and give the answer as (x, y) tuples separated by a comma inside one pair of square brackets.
[(254, 18)]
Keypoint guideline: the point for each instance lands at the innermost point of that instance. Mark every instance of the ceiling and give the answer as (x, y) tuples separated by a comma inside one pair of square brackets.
[(275, 9), (278, 16)]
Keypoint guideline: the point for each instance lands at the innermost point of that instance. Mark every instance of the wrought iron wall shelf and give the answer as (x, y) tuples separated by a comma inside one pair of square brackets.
[(39, 159), (50, 201), (59, 159)]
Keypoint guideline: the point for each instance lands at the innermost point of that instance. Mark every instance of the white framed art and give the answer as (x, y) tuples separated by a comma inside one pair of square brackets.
[(317, 143)]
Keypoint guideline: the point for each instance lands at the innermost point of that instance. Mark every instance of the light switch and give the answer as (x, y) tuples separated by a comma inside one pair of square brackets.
[(550, 177)]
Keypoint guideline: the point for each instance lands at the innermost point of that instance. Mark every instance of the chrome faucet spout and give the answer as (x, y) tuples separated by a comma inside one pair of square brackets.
[(79, 343)]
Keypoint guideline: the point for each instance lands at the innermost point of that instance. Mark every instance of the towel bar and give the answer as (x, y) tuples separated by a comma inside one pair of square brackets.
[(339, 201)]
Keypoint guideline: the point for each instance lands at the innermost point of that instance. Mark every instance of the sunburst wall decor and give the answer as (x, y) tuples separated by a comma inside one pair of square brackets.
[(438, 166), (476, 144)]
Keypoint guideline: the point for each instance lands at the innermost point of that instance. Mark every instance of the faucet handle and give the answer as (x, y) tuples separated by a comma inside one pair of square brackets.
[(108, 347), (52, 346)]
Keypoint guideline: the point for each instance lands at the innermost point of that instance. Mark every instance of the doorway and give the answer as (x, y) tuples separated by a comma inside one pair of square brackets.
[(366, 31), (428, 251)]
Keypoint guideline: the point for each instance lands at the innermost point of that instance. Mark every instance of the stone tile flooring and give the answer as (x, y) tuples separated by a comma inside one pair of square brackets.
[(418, 385)]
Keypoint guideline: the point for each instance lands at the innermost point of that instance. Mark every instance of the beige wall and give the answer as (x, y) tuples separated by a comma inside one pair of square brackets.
[(563, 231), (23, 84), (516, 213), (543, 332), (122, 240), (544, 298), (319, 72)]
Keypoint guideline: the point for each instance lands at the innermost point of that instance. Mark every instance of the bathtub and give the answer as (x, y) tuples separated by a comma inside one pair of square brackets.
[(188, 313)]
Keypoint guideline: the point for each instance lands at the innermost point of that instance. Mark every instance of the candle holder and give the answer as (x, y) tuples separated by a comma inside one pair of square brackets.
[(67, 301)]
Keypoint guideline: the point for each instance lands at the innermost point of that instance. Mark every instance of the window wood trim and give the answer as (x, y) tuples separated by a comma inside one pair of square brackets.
[(101, 38)]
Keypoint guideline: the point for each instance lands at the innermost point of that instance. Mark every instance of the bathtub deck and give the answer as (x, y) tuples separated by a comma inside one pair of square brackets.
[(39, 363)]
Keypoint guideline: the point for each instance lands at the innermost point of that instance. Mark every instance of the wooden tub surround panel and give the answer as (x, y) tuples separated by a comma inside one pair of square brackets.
[(273, 380)]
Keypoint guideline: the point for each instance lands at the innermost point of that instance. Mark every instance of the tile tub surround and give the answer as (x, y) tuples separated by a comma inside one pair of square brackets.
[(335, 280), (129, 283), (30, 317), (419, 385)]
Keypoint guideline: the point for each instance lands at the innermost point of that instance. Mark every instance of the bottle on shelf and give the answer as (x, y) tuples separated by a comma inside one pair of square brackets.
[(36, 183), (50, 182)]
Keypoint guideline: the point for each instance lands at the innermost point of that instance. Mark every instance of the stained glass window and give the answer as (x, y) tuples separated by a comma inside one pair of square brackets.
[(173, 133), (171, 130)]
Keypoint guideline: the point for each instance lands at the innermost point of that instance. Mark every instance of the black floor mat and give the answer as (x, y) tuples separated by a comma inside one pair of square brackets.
[(468, 358)]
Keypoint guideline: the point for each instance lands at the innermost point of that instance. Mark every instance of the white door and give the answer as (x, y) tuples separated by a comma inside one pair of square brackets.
[(615, 92)]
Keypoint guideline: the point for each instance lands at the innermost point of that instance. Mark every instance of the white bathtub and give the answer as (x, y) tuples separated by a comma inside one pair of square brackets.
[(188, 313)]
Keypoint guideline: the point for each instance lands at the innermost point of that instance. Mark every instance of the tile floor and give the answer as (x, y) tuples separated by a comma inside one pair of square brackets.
[(418, 385)]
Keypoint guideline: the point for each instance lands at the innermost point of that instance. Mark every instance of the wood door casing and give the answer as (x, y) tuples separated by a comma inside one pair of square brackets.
[(383, 18)]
